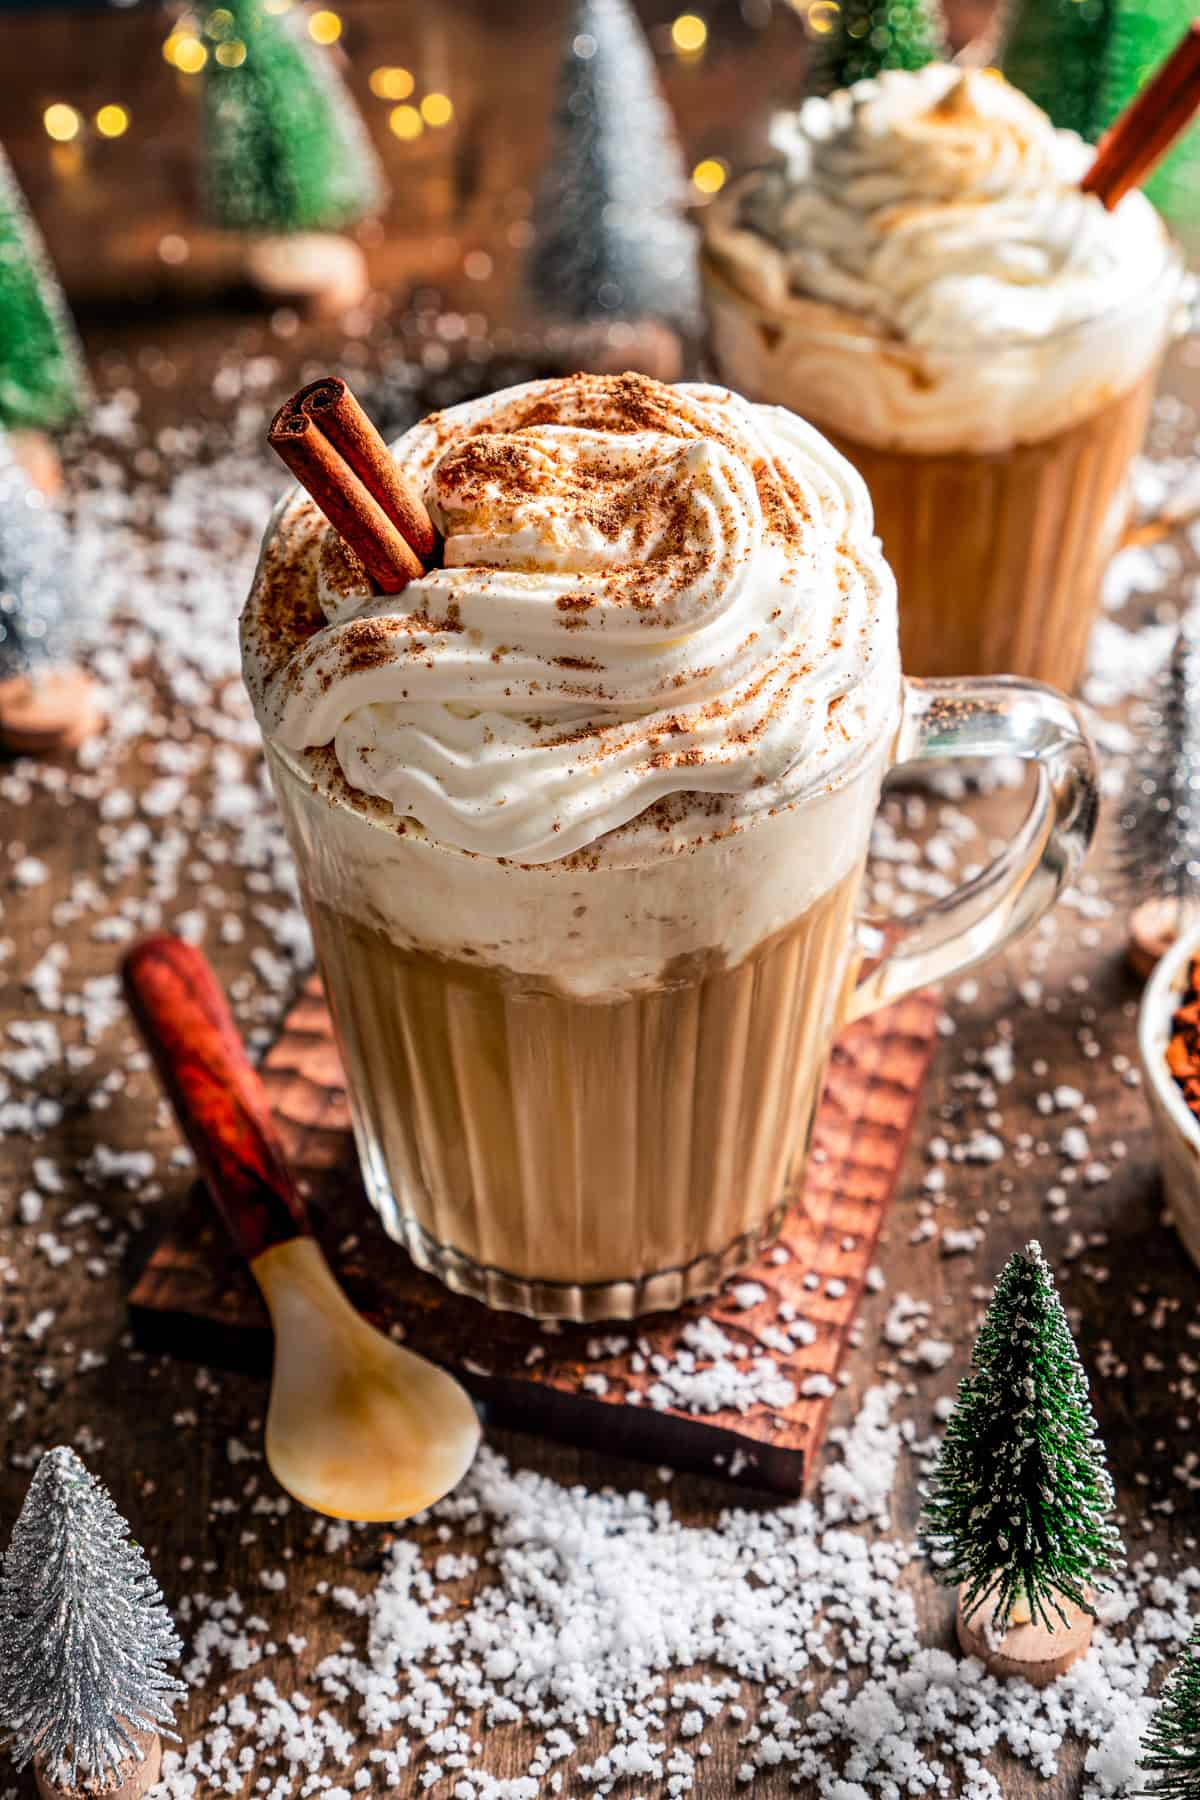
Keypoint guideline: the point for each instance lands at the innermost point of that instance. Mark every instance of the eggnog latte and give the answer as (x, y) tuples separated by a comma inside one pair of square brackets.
[(581, 816), (918, 273)]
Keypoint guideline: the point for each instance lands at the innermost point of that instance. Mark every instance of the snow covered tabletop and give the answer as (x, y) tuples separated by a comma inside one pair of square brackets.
[(567, 1622)]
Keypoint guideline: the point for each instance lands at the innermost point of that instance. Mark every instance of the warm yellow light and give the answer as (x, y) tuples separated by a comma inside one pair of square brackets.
[(324, 27), (190, 54), (689, 34), (277, 6), (822, 16), (390, 83), (231, 54), (437, 109), (219, 23), (710, 175), (405, 122), (62, 122), (112, 121)]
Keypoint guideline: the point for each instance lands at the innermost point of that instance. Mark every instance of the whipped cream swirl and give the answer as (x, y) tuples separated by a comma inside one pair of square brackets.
[(940, 207), (645, 591)]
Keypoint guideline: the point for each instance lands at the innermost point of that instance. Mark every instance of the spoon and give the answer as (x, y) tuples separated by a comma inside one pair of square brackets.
[(357, 1426)]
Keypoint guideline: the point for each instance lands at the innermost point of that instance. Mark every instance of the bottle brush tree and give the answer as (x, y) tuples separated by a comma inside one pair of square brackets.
[(1019, 1508), (864, 37), (610, 237), (1170, 1753), (85, 1636), (284, 148), (43, 384)]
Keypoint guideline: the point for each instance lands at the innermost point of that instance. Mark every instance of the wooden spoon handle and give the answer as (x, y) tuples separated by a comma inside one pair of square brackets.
[(219, 1101)]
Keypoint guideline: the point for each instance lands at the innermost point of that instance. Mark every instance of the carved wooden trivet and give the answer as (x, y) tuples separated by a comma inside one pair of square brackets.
[(597, 1384)]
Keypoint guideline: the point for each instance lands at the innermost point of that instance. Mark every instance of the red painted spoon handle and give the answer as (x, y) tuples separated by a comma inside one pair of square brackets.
[(219, 1101)]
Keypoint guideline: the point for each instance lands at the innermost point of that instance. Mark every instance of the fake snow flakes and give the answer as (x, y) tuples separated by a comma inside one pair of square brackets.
[(593, 1606)]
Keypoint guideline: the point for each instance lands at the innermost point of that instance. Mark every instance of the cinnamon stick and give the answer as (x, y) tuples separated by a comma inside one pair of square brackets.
[(1149, 125), (335, 453), (342, 420)]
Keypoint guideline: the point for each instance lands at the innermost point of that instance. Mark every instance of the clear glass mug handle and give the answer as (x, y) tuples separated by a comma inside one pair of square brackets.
[(945, 721)]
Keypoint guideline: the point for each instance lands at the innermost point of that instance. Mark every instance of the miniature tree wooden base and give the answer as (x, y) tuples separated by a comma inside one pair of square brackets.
[(1153, 928), (1026, 1652), (318, 272), (136, 1778), (53, 711), (36, 453)]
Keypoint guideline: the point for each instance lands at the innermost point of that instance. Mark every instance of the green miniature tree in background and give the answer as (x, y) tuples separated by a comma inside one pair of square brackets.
[(1171, 1746), (1053, 50), (43, 384), (867, 36), (1082, 61), (1019, 1505), (1141, 34), (284, 147)]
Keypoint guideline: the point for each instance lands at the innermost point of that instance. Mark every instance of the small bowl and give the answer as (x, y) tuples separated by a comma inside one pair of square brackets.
[(1176, 1128)]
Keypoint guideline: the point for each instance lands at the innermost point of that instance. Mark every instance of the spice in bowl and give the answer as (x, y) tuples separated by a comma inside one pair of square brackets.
[(1183, 1050)]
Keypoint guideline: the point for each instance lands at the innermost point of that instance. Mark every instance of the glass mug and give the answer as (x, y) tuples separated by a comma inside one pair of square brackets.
[(585, 1089), (998, 529)]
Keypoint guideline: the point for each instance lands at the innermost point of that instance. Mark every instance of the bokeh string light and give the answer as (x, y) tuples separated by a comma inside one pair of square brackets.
[(62, 122), (391, 83), (710, 175), (112, 121), (689, 35), (324, 27)]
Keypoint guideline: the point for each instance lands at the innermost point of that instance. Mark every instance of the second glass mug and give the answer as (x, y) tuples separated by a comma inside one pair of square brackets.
[(602, 1106)]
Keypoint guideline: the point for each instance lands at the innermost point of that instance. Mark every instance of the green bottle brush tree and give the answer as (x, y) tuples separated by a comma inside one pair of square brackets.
[(867, 36), (1170, 1753), (1020, 1505), (43, 384), (284, 147)]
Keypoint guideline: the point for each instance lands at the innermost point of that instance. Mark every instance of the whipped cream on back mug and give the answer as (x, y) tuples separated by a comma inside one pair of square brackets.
[(918, 273), (581, 818)]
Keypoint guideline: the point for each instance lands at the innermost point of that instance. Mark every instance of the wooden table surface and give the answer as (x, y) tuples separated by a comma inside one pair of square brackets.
[(159, 1432)]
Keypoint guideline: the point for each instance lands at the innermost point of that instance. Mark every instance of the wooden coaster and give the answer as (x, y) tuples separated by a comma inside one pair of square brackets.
[(52, 710), (1153, 928), (319, 272), (136, 1777), (650, 1388), (1026, 1652)]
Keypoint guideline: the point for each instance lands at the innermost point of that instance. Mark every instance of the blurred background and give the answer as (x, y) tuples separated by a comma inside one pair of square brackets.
[(101, 111)]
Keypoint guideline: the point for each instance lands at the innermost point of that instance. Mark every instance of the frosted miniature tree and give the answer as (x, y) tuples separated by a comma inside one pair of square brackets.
[(610, 237), (43, 384), (1019, 1506), (1159, 851), (284, 147), (864, 37), (1170, 1753), (84, 1633), (41, 605)]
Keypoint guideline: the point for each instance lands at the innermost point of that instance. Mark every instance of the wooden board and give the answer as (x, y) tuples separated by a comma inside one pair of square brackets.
[(596, 1384)]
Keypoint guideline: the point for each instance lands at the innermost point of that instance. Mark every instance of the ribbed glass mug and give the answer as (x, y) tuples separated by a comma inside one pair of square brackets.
[(999, 473), (584, 1089)]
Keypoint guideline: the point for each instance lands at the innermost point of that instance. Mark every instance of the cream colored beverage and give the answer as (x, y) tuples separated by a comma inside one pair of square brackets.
[(581, 818), (918, 273)]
